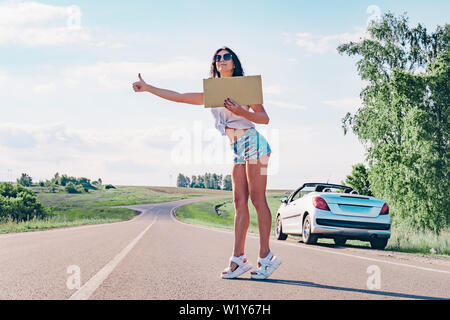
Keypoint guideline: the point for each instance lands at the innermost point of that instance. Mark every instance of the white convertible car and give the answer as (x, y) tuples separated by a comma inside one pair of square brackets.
[(322, 210)]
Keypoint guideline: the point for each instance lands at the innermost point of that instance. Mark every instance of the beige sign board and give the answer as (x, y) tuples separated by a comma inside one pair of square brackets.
[(244, 90)]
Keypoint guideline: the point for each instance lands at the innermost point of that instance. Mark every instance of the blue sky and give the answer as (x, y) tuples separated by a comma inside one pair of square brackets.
[(66, 69)]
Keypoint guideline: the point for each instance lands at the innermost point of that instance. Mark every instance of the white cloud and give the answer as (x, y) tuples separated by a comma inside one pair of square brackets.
[(315, 153), (16, 138), (346, 104), (3, 76), (114, 75), (321, 44), (16, 13), (43, 36), (284, 105), (41, 149), (48, 87), (36, 24), (275, 89), (53, 135), (117, 75), (132, 156), (59, 136)]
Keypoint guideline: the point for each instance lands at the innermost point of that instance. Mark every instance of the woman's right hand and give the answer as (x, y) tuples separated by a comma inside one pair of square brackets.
[(140, 86), (191, 98)]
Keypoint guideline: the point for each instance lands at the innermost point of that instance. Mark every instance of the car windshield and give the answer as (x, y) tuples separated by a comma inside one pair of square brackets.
[(334, 189), (323, 188), (306, 190)]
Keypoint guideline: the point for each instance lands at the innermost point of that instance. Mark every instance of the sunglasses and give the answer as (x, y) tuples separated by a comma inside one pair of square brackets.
[(226, 57)]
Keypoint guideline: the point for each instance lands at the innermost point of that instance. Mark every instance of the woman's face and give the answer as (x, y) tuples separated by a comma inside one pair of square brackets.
[(223, 66)]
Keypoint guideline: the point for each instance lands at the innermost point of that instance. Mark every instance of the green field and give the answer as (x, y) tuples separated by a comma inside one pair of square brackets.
[(122, 195), (205, 213), (96, 206)]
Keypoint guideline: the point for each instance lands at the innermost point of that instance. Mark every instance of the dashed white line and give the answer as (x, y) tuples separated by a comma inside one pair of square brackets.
[(92, 284)]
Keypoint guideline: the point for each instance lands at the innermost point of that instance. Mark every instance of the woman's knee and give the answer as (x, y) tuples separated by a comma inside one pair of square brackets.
[(258, 199), (240, 202)]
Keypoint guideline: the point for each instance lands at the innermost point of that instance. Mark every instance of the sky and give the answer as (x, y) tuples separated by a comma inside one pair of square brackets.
[(67, 68)]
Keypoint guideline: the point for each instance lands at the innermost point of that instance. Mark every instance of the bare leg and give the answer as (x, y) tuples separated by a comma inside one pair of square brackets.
[(242, 217), (257, 181)]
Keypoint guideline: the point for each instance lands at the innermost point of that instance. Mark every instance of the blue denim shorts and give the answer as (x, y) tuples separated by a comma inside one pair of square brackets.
[(250, 145)]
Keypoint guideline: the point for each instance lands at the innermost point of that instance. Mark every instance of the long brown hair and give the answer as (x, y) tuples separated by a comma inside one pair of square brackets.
[(238, 71)]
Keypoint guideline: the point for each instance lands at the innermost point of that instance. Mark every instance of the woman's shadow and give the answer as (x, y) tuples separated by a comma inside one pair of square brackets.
[(323, 286)]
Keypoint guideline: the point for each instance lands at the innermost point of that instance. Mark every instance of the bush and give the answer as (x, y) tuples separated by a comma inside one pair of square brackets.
[(359, 180), (72, 188), (76, 185), (53, 188), (25, 180), (20, 204), (109, 186)]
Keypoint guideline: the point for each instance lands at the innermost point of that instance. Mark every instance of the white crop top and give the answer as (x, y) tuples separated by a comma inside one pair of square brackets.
[(225, 117)]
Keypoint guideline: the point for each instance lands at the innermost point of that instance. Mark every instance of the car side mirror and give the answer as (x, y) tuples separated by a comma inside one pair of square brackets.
[(284, 199)]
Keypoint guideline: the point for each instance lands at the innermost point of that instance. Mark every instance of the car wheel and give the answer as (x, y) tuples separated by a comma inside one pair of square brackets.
[(307, 237), (378, 244), (340, 241), (279, 230)]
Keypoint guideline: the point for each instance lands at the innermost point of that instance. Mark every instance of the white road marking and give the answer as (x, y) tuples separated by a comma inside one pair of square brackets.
[(370, 259), (92, 284), (311, 248)]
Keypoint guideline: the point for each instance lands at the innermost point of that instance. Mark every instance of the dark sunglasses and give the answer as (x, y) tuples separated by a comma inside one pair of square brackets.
[(226, 57)]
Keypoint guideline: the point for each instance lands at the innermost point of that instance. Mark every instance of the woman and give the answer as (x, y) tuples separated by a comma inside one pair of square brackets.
[(251, 156)]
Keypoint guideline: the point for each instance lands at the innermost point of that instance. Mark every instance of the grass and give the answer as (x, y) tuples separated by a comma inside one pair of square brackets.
[(96, 206), (204, 213), (403, 238), (122, 195), (9, 226), (406, 239)]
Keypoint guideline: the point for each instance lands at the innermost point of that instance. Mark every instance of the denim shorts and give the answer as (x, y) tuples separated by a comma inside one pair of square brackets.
[(250, 145)]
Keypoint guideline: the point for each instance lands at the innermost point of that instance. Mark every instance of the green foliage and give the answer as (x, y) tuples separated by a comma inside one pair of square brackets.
[(72, 188), (227, 183), (70, 184), (207, 181), (182, 181), (359, 180), (20, 204), (109, 186), (65, 179), (200, 182), (25, 180), (404, 120)]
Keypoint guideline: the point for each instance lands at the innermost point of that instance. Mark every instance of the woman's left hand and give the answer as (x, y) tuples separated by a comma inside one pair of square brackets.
[(234, 107)]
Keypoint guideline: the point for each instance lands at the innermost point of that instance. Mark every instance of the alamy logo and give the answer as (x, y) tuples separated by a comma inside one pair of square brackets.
[(74, 17), (205, 146), (375, 14), (374, 280), (74, 280)]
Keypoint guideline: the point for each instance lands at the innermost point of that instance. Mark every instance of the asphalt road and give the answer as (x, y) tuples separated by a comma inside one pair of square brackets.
[(155, 256)]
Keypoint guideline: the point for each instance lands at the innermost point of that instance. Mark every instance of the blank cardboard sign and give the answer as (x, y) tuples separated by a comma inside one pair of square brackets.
[(244, 90)]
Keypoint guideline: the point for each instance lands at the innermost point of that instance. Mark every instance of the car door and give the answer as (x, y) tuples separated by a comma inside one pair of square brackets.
[(291, 213)]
